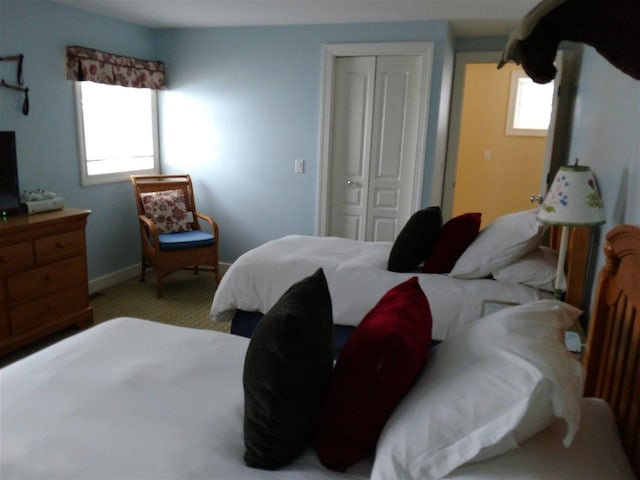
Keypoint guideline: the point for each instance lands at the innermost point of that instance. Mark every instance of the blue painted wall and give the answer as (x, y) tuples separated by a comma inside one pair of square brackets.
[(606, 136), (244, 103), (480, 44), (47, 142)]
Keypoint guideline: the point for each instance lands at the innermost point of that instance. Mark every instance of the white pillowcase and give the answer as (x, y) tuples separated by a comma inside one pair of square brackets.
[(483, 391), (500, 243), (536, 269)]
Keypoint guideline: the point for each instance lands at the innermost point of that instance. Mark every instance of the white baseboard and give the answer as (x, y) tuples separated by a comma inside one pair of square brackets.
[(111, 279)]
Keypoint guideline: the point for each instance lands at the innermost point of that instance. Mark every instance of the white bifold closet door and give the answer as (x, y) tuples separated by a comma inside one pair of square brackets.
[(374, 140)]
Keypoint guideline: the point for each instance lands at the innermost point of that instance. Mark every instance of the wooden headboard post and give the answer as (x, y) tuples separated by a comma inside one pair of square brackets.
[(612, 356)]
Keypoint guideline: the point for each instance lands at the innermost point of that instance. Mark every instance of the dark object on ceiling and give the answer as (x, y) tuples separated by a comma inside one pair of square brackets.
[(610, 26)]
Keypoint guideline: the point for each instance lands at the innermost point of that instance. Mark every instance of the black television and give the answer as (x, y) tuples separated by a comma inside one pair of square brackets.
[(9, 189)]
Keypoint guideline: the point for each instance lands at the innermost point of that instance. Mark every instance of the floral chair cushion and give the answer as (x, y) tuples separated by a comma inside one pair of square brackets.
[(167, 209)]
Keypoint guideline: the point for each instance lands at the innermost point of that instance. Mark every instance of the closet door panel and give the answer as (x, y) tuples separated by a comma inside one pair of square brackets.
[(351, 146), (393, 148)]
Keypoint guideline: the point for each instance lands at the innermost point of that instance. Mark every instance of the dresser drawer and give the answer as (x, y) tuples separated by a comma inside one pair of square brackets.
[(56, 247), (47, 279), (48, 309), (16, 257)]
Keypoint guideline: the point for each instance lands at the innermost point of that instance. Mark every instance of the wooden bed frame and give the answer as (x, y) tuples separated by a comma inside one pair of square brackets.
[(612, 357)]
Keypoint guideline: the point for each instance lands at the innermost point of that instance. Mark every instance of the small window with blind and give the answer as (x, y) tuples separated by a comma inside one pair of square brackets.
[(117, 132), (530, 104)]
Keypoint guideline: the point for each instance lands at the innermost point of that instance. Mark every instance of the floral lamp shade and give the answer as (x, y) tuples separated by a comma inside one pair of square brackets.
[(573, 199)]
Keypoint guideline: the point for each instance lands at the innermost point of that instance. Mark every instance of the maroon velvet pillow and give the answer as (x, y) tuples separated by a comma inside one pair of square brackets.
[(377, 366), (456, 235)]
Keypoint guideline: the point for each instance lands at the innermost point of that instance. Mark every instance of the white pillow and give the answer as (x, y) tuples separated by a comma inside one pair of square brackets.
[(500, 243), (536, 269), (483, 391)]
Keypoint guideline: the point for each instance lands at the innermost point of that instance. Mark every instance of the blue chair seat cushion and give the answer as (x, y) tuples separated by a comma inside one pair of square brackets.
[(182, 240)]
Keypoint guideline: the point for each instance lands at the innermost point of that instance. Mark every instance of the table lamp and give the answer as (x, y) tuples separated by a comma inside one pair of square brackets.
[(573, 200)]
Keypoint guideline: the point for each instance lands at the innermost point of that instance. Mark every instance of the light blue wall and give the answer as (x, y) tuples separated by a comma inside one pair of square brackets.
[(46, 139), (606, 136), (244, 103), (480, 44)]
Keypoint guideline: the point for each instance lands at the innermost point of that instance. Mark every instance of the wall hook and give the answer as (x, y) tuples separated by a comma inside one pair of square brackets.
[(17, 58), (25, 90)]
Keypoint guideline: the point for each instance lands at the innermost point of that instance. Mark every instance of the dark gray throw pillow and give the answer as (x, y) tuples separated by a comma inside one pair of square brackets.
[(287, 372), (415, 240)]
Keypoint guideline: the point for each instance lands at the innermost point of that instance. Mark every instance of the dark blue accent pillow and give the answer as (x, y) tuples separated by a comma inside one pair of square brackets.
[(287, 372), (244, 323), (415, 240)]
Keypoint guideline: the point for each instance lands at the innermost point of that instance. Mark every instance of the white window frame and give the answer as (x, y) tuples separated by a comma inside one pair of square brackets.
[(510, 129), (87, 179)]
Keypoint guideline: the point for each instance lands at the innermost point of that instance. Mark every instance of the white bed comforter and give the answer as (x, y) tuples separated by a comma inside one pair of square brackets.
[(132, 399), (357, 276)]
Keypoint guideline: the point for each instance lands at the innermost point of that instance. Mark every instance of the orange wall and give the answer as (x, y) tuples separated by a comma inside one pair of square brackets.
[(503, 183)]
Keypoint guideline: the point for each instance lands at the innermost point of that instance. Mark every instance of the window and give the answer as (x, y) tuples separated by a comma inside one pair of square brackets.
[(530, 106), (117, 128)]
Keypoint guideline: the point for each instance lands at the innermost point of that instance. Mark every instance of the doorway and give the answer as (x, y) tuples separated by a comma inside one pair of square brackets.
[(373, 138), (486, 169)]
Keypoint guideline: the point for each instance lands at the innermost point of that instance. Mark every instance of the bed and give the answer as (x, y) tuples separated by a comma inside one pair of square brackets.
[(136, 399), (492, 271)]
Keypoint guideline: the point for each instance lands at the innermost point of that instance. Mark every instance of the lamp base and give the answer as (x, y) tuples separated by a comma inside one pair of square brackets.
[(562, 254)]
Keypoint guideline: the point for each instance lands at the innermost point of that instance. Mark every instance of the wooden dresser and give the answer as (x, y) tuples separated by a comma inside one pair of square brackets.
[(43, 276)]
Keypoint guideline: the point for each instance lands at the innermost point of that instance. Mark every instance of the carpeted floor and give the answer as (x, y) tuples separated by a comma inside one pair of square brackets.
[(186, 301)]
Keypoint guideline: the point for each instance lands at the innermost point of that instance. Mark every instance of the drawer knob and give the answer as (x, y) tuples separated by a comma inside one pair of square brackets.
[(61, 244), (4, 260), (48, 277)]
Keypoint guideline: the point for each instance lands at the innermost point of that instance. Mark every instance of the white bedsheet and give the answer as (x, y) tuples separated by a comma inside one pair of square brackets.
[(134, 399), (357, 276), (595, 454)]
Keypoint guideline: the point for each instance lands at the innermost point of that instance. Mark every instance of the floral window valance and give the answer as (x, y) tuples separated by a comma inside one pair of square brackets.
[(86, 64)]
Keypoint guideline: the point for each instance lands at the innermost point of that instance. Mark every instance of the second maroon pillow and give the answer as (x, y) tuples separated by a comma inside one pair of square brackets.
[(455, 236)]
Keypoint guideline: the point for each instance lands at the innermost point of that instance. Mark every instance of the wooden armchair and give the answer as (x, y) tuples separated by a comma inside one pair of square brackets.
[(170, 227)]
